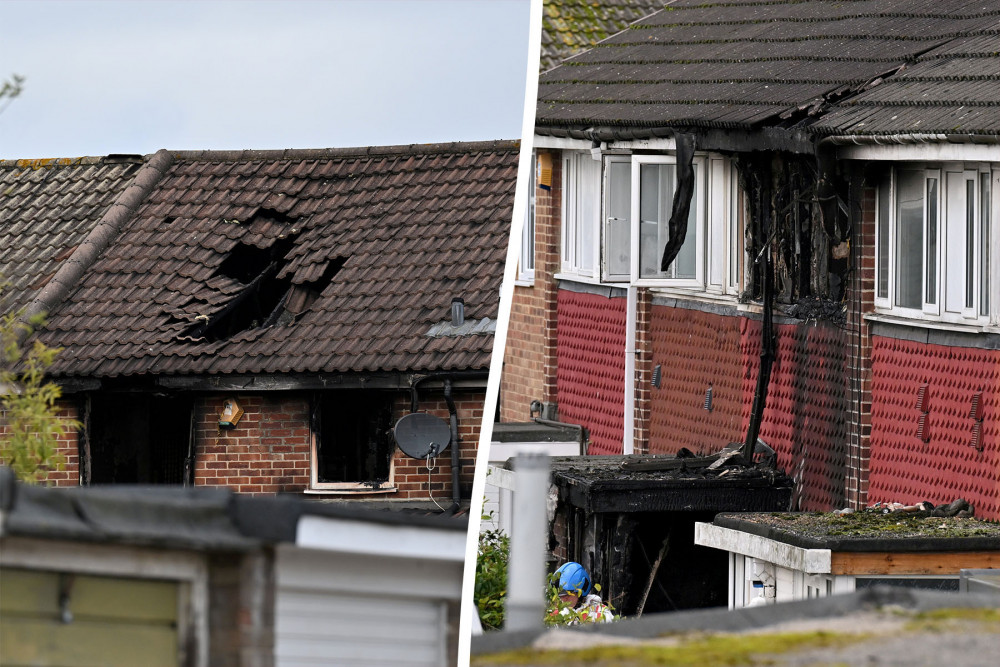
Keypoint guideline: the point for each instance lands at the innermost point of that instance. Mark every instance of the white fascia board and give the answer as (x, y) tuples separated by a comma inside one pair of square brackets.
[(810, 561), (564, 143), (923, 152), (379, 539), (625, 146)]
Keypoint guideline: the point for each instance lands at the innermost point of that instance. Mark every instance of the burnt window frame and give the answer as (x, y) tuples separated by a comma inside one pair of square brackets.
[(316, 428)]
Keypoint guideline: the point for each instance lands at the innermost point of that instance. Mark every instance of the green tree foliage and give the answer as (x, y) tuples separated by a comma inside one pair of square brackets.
[(491, 577), (30, 425)]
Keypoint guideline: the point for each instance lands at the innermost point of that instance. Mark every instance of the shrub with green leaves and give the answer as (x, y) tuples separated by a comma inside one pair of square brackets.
[(490, 593), (30, 425)]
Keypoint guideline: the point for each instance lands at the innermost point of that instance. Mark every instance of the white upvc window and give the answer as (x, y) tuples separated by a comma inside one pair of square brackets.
[(654, 181), (581, 196), (617, 228), (932, 243), (526, 262), (711, 257)]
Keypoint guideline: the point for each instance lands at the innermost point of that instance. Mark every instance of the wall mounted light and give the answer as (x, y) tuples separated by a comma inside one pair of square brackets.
[(231, 414)]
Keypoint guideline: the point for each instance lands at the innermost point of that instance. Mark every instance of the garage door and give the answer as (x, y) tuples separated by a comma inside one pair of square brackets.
[(331, 628), (52, 618)]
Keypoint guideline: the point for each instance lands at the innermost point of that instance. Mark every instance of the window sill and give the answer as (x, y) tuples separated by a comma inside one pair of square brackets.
[(349, 490), (937, 325), (524, 282), (691, 295), (588, 280)]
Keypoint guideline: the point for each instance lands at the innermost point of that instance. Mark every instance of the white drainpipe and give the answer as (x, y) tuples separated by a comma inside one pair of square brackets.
[(631, 315), (525, 608)]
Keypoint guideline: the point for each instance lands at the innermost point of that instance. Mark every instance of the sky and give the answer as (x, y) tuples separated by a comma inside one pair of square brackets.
[(135, 77)]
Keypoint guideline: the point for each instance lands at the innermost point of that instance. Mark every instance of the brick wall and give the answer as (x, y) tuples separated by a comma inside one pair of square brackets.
[(67, 447), (530, 355), (806, 403), (860, 299), (269, 450), (591, 367), (904, 468), (696, 350)]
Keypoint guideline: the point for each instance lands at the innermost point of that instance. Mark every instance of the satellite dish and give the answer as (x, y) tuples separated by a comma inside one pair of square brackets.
[(421, 435)]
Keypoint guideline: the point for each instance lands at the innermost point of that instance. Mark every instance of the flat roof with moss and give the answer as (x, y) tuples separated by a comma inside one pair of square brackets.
[(868, 530)]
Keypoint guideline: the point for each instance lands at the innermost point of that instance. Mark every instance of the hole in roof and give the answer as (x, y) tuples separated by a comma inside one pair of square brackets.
[(261, 301)]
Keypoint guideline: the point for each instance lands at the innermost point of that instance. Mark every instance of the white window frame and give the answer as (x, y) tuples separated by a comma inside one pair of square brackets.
[(948, 246), (526, 261), (697, 204), (716, 203), (345, 488), (606, 220), (574, 250)]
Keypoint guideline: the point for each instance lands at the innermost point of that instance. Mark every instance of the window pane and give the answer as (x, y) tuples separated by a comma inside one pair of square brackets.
[(656, 187), (618, 237), (686, 262), (587, 210), (970, 243), (528, 233), (909, 238), (883, 238), (984, 244), (931, 260)]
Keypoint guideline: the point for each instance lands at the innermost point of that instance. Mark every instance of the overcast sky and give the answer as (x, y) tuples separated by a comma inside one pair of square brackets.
[(134, 77)]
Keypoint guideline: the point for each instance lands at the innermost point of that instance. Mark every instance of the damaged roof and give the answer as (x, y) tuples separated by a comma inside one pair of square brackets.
[(48, 208), (862, 67), (572, 26), (297, 261)]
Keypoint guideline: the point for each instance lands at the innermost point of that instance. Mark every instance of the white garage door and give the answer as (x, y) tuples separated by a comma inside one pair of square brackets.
[(351, 611)]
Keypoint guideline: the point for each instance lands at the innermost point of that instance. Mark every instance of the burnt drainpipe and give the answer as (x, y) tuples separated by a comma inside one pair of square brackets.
[(767, 329)]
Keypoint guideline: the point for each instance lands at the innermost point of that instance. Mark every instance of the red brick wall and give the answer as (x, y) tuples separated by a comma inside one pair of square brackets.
[(906, 469), (860, 298), (804, 418), (68, 448), (696, 350), (269, 450), (530, 355), (591, 367)]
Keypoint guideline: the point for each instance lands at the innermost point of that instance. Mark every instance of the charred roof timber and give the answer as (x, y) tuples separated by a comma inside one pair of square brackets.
[(265, 299)]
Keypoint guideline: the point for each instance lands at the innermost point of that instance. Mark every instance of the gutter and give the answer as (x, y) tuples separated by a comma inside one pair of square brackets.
[(121, 211)]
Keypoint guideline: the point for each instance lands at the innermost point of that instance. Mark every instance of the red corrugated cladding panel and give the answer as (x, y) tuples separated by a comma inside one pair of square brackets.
[(905, 469), (590, 380), (696, 351), (806, 411)]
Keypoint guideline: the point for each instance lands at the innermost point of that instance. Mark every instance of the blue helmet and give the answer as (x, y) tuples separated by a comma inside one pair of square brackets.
[(574, 579)]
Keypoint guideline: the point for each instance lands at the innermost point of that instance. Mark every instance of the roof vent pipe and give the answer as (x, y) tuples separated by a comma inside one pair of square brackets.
[(457, 312)]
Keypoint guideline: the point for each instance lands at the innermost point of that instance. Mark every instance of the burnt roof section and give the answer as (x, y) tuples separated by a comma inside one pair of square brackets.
[(298, 261), (572, 26), (48, 209), (784, 63)]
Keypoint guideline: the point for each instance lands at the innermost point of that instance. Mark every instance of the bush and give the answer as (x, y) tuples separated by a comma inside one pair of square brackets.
[(491, 577)]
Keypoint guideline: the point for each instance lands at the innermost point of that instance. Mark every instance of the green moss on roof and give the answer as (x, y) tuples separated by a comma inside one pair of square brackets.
[(572, 26), (874, 523)]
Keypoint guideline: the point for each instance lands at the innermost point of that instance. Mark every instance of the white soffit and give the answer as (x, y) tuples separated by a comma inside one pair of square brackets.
[(379, 539), (922, 152)]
